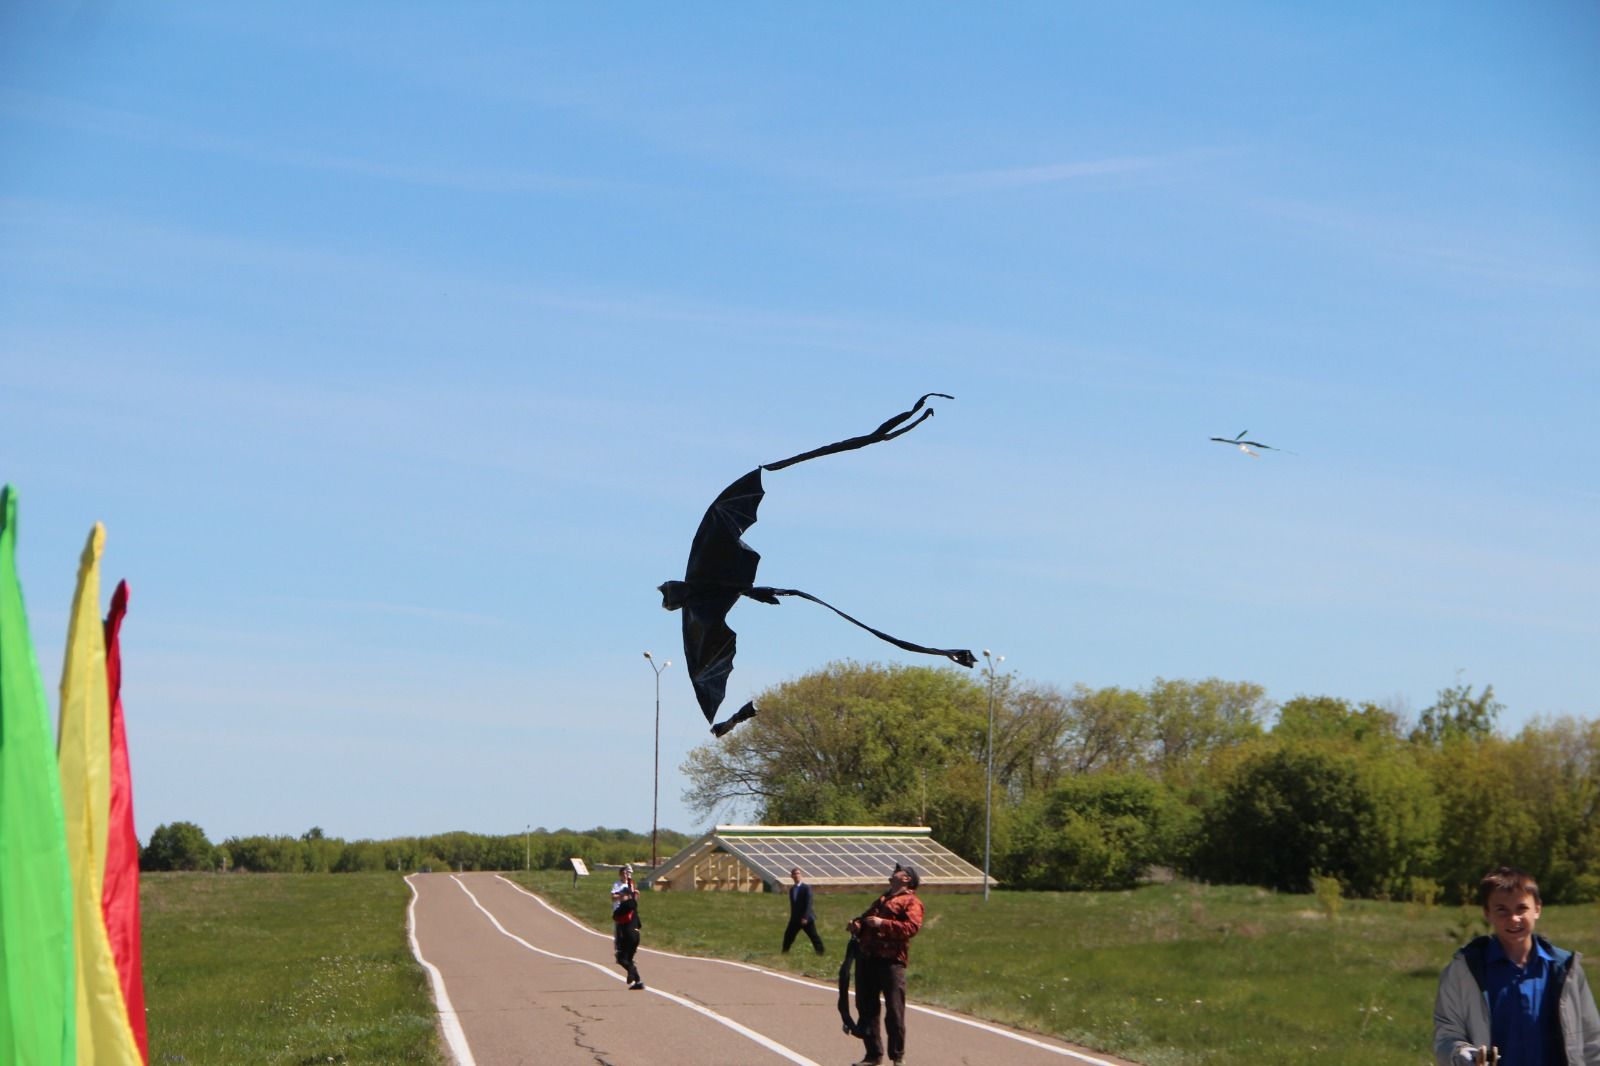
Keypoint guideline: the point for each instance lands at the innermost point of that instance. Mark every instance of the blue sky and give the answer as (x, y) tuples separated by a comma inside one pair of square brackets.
[(401, 347)]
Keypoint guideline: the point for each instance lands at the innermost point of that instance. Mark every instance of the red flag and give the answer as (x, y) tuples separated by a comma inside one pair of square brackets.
[(120, 897)]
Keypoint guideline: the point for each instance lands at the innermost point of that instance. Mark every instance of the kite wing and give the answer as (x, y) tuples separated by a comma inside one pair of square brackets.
[(721, 567), (1245, 445), (709, 645), (719, 557)]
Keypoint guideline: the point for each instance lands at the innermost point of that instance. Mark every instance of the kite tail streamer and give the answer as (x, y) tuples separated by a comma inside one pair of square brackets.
[(105, 1037), (956, 655), (887, 431), (119, 900), (846, 971), (37, 994)]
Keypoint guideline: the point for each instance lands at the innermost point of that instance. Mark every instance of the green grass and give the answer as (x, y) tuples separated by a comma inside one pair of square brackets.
[(1169, 975), (315, 968), (283, 968)]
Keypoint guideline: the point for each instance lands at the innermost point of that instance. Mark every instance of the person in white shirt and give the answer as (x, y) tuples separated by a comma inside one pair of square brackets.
[(625, 919)]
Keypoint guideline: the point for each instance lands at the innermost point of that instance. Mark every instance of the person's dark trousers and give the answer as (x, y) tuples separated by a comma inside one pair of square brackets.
[(888, 978), (795, 925), (627, 941)]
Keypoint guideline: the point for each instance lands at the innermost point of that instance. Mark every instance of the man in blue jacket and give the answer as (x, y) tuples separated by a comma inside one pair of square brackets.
[(801, 916), (1514, 991)]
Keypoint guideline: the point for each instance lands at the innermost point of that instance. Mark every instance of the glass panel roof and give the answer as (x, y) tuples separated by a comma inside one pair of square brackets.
[(849, 859)]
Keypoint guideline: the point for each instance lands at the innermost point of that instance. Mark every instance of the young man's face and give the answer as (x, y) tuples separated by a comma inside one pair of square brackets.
[(796, 875), (1512, 916), (899, 879)]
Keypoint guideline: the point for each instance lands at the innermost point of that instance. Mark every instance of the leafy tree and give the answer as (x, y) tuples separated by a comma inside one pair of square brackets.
[(264, 854), (1032, 726), (1191, 719), (177, 846), (1095, 831), (1330, 718), (851, 743), (1532, 801), (1107, 729), (1557, 764), (1367, 817), (362, 856), (1458, 715)]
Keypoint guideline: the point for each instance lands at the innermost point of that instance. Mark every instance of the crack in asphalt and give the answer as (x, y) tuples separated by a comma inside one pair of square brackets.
[(579, 1035)]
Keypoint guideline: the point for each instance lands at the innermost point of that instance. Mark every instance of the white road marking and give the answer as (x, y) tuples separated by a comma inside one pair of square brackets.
[(765, 1041), (986, 1027), (455, 1039)]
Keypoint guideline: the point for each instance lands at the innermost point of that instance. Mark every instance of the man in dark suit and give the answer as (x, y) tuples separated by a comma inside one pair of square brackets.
[(801, 916)]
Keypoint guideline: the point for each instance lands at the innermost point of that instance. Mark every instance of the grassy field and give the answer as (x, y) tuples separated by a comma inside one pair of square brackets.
[(1169, 975), (283, 968), (315, 968)]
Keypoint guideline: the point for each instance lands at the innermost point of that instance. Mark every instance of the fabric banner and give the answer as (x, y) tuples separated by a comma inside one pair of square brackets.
[(119, 900), (37, 994), (104, 1036)]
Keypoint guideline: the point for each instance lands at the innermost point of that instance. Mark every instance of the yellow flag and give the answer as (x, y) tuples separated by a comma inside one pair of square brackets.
[(104, 1036)]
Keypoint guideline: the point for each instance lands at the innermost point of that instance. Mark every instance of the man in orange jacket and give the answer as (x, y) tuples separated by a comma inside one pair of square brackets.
[(884, 933)]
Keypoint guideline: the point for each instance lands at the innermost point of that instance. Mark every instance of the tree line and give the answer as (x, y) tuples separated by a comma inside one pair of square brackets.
[(184, 846), (1095, 787)]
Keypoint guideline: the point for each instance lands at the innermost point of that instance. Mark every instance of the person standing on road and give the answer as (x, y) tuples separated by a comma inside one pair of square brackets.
[(625, 917), (884, 934), (801, 916)]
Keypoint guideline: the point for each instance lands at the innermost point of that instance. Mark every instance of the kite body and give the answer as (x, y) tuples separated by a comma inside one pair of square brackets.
[(722, 568), (1245, 445)]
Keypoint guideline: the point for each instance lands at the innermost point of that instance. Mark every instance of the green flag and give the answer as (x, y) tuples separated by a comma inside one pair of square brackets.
[(37, 978)]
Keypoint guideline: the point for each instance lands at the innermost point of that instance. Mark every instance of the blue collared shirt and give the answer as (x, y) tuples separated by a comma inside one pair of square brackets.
[(1519, 1017)]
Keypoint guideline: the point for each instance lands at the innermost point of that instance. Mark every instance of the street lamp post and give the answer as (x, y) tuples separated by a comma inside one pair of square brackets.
[(655, 790), (988, 778)]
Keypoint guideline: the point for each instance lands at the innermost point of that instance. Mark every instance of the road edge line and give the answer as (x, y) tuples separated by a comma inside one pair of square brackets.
[(449, 1022)]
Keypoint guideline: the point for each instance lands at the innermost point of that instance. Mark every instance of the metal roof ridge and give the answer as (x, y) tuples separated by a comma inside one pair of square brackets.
[(888, 830)]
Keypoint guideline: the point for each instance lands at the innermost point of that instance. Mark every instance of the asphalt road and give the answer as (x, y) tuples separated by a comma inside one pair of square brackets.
[(518, 982)]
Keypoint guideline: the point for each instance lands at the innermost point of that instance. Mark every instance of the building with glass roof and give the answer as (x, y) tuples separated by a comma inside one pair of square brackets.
[(833, 858)]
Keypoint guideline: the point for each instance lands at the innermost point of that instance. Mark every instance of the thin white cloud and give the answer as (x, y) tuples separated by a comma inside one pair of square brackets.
[(1003, 178), (402, 610), (132, 126), (89, 243), (1406, 239)]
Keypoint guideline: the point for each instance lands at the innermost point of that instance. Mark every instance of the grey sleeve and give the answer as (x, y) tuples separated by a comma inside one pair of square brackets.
[(1450, 1012), (1588, 1017)]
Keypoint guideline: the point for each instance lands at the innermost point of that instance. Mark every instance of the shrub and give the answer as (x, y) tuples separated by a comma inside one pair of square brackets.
[(1367, 817), (1329, 893), (177, 846), (1094, 831)]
